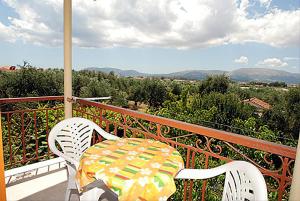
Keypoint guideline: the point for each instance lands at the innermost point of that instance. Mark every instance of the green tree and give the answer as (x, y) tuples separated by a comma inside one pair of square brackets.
[(156, 92), (96, 88), (293, 110), (138, 94), (30, 81), (176, 88), (150, 91), (216, 83)]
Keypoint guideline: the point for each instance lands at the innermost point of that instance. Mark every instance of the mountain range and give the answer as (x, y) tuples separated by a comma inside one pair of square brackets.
[(242, 74)]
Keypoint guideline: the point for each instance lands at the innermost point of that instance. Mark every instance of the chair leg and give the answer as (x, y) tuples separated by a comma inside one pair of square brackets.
[(68, 194), (71, 182), (108, 195)]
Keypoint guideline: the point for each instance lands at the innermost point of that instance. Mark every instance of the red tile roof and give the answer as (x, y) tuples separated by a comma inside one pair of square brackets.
[(258, 103), (7, 68)]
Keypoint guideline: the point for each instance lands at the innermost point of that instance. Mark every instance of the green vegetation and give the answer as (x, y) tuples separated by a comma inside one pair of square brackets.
[(214, 102)]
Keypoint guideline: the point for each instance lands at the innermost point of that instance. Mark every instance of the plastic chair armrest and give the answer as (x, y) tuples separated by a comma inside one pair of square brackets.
[(200, 173)]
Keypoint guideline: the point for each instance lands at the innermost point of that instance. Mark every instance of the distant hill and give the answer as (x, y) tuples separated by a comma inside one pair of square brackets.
[(242, 74), (123, 73), (264, 74), (191, 74), (195, 74)]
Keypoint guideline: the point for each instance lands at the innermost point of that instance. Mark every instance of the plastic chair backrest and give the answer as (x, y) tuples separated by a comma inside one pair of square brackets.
[(74, 136), (243, 181)]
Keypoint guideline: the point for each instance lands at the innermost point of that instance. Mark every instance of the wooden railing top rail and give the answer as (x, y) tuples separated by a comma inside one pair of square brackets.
[(250, 142)]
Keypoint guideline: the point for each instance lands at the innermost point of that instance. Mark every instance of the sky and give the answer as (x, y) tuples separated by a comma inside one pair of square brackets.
[(154, 36)]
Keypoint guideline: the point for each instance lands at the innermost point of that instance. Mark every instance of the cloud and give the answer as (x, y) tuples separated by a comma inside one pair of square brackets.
[(152, 23), (241, 60), (272, 62), (276, 28), (6, 33), (38, 22)]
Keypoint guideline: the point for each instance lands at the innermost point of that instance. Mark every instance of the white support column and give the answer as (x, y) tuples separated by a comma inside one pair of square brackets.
[(68, 58), (295, 188)]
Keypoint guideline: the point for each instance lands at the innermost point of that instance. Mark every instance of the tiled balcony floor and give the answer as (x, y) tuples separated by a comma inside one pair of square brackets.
[(45, 183), (47, 186), (55, 193)]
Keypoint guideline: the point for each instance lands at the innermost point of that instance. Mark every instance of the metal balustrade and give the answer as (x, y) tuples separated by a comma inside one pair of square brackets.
[(26, 130)]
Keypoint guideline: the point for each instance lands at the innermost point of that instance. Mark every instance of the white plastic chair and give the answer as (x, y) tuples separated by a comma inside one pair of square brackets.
[(243, 181), (74, 137)]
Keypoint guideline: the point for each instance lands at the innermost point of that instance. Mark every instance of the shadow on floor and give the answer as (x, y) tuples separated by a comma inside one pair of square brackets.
[(55, 193)]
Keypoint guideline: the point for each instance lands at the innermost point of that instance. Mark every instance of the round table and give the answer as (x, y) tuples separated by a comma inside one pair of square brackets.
[(133, 168)]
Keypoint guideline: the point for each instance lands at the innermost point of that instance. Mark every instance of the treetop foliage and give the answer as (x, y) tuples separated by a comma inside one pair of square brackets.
[(215, 102)]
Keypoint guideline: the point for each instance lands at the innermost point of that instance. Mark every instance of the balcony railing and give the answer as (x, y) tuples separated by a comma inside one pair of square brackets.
[(26, 131)]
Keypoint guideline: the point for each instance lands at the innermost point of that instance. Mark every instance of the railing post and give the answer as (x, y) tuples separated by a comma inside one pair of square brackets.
[(295, 187), (2, 178), (68, 58)]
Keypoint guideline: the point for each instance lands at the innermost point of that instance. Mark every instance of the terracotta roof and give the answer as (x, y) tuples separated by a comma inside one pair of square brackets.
[(7, 68), (258, 103)]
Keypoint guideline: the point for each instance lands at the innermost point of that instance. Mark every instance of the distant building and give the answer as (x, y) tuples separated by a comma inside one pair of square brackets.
[(138, 78), (7, 68), (259, 104), (293, 85)]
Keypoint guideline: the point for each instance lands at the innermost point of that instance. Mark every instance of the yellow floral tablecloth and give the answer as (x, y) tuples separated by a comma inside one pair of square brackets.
[(135, 169)]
